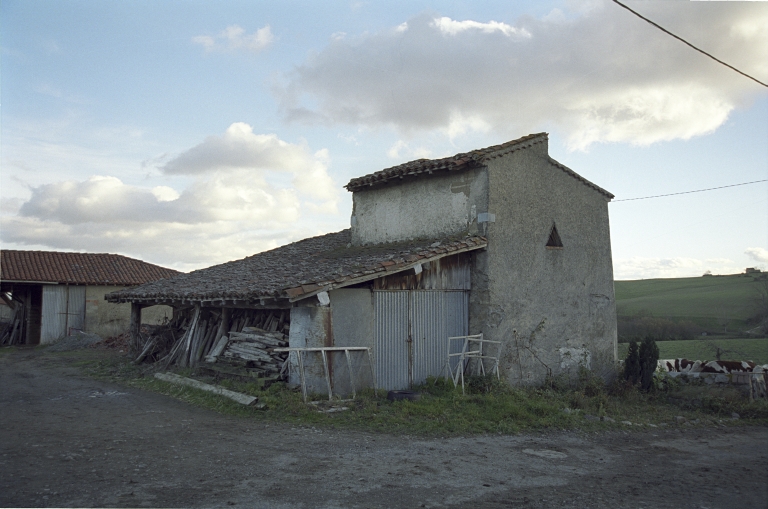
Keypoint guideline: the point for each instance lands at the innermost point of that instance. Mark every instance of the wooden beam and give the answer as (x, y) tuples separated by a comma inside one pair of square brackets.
[(243, 399), (135, 327), (7, 300)]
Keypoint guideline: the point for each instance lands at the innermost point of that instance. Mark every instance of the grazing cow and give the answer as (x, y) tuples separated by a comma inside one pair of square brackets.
[(728, 366), (680, 365), (736, 372)]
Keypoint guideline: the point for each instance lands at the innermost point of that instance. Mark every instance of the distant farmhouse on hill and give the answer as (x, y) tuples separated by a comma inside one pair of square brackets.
[(503, 241)]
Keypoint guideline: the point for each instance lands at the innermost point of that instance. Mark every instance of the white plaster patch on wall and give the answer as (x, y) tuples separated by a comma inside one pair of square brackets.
[(574, 358)]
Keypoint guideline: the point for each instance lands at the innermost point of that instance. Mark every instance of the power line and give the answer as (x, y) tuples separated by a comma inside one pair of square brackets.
[(689, 192), (688, 43)]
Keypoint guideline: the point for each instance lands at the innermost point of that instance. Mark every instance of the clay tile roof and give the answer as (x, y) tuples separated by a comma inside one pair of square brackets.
[(301, 268), (430, 166), (78, 268), (461, 162)]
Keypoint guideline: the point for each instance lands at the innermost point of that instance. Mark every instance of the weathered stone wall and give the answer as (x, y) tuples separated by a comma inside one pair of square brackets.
[(108, 319), (427, 207), (519, 282), (310, 328)]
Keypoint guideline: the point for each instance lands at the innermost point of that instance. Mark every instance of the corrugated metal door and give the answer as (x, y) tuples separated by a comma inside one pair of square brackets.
[(63, 309), (391, 347), (437, 315), (54, 313), (457, 320), (412, 330), (76, 311), (428, 327)]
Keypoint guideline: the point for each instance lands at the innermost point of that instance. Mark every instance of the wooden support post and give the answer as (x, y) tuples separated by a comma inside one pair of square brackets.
[(135, 327), (226, 314)]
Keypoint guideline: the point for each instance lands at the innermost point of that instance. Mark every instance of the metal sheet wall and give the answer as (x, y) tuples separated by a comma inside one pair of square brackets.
[(76, 311), (63, 309), (428, 327), (391, 347), (428, 318), (437, 316), (54, 313)]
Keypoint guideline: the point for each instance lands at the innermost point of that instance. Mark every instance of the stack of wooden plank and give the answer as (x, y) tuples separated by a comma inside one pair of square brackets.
[(277, 320), (252, 348), (13, 332), (197, 334)]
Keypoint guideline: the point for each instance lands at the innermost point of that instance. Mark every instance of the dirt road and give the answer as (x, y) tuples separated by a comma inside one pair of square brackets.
[(67, 440)]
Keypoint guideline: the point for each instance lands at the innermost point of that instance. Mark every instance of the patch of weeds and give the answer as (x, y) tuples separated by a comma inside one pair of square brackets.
[(489, 406), (485, 384), (718, 401), (7, 349), (590, 384)]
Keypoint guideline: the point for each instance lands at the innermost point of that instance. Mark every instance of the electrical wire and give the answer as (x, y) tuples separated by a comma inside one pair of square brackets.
[(689, 192), (688, 43)]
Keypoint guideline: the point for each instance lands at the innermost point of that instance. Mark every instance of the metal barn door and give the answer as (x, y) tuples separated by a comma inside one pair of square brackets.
[(63, 310), (411, 335)]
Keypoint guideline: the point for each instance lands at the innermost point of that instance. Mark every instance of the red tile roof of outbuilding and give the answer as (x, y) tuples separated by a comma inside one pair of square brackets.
[(459, 162), (78, 268), (298, 270)]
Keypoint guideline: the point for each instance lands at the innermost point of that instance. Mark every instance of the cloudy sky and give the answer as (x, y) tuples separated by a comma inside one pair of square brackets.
[(189, 133)]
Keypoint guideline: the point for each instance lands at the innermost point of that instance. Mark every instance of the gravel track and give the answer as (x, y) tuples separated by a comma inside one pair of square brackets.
[(70, 441)]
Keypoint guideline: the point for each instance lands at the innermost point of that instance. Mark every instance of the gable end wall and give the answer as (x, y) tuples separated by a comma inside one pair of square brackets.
[(518, 282), (427, 206)]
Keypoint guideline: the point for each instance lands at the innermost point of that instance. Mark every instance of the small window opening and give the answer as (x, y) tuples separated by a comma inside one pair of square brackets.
[(554, 241)]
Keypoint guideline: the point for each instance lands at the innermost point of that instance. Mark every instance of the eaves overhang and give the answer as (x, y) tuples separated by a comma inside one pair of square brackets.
[(369, 277)]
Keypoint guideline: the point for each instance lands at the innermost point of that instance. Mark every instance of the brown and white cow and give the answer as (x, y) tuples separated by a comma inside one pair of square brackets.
[(728, 367), (736, 372)]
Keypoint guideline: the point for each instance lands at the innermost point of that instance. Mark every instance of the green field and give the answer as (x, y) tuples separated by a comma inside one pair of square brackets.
[(755, 350), (713, 302)]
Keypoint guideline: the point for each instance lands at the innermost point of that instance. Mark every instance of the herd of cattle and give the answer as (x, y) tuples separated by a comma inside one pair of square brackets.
[(733, 372)]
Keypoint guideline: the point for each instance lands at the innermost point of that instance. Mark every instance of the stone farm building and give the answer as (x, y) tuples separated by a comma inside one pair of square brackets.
[(503, 241), (48, 294)]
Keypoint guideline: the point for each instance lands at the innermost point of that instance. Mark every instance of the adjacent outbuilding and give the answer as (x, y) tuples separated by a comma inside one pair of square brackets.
[(503, 241), (50, 294)]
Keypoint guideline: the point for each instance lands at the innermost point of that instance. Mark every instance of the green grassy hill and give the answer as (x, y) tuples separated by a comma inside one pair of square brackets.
[(715, 303)]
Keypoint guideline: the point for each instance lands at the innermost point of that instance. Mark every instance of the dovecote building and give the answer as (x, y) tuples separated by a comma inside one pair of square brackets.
[(503, 241)]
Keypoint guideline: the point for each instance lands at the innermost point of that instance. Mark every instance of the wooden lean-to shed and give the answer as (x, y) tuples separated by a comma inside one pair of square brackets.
[(325, 292), (503, 241), (50, 294)]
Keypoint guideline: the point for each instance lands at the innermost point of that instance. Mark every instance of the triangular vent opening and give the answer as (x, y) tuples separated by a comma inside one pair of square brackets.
[(554, 238)]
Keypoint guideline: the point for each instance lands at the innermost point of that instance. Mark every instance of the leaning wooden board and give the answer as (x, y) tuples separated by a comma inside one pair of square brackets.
[(243, 399)]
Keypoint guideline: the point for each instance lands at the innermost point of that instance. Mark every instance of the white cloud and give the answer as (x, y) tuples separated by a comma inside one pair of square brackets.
[(652, 268), (598, 73), (452, 27), (243, 193), (239, 148), (758, 254), (165, 193), (402, 150), (234, 38), (237, 196)]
